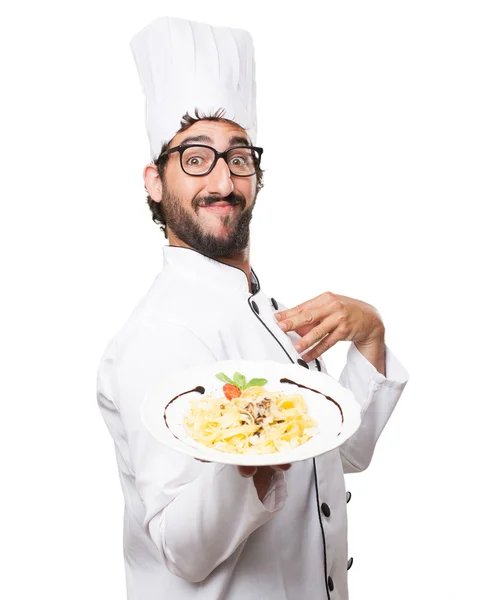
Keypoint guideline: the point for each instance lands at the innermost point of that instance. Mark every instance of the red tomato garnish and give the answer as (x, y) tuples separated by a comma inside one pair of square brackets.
[(231, 391)]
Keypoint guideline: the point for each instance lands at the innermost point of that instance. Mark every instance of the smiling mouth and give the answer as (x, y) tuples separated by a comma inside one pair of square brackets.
[(218, 203), (220, 208)]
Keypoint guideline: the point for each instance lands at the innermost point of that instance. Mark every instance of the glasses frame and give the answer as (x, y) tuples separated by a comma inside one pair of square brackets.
[(181, 149)]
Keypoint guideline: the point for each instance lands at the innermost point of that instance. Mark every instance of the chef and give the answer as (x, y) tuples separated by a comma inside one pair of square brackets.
[(204, 530)]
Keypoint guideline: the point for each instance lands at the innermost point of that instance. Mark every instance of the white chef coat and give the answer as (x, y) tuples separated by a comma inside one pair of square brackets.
[(198, 530)]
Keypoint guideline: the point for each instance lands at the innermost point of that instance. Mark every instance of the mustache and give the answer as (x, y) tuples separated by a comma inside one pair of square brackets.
[(232, 199)]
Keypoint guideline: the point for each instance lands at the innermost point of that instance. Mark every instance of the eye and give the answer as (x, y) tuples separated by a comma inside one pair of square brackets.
[(238, 161), (194, 161)]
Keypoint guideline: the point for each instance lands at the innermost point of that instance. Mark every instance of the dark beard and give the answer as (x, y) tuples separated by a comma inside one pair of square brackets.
[(189, 231)]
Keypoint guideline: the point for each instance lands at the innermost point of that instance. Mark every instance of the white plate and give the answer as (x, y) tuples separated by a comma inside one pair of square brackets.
[(337, 421)]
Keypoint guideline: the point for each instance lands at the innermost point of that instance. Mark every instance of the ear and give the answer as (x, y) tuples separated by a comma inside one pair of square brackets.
[(153, 182)]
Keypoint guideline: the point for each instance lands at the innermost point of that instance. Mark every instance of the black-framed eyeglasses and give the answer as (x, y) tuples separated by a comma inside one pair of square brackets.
[(198, 160)]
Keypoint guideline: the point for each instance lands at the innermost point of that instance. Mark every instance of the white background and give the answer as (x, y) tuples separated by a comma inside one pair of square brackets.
[(368, 113)]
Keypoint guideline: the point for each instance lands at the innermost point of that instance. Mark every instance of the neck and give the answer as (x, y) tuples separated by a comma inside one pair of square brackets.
[(240, 259)]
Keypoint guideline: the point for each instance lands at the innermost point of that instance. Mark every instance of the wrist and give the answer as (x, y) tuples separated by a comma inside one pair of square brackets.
[(374, 350), (262, 480), (375, 338)]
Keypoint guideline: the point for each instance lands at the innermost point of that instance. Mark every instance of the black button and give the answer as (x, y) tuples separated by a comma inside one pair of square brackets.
[(350, 562), (326, 510), (274, 303), (348, 497), (255, 307), (330, 584), (303, 363), (318, 364)]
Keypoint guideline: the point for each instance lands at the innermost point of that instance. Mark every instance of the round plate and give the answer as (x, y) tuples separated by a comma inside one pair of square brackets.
[(337, 416)]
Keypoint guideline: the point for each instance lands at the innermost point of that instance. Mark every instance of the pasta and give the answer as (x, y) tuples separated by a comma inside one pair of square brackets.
[(251, 421)]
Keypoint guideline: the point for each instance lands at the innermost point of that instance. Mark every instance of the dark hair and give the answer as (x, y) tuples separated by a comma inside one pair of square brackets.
[(157, 211)]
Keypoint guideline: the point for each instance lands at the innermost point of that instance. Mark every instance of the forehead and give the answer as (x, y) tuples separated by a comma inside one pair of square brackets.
[(215, 133)]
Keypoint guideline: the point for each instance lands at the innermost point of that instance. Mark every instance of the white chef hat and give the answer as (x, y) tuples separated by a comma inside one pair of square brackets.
[(184, 65)]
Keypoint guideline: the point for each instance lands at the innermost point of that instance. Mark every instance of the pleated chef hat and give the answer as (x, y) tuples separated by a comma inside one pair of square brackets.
[(183, 65)]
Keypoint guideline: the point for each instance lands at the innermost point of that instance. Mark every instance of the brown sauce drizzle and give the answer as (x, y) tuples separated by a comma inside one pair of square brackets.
[(285, 380), (199, 388)]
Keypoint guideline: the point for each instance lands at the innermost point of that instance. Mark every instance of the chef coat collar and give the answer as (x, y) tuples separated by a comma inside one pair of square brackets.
[(198, 268)]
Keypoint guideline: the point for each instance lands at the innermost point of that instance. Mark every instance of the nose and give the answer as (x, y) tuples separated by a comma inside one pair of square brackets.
[(219, 180)]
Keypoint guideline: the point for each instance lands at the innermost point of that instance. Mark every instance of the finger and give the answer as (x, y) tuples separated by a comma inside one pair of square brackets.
[(247, 471), (318, 301), (282, 467), (317, 333), (325, 344), (305, 317)]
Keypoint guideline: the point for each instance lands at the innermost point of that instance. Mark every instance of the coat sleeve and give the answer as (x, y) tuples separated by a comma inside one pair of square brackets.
[(377, 396), (197, 514)]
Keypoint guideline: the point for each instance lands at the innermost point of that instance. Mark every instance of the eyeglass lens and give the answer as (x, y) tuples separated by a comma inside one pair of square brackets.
[(197, 160)]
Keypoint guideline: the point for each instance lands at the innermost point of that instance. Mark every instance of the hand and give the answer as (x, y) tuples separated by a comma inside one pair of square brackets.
[(262, 476), (330, 318)]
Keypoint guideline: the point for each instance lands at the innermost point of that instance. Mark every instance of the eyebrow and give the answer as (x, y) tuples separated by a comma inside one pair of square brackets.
[(238, 139), (197, 138), (233, 141)]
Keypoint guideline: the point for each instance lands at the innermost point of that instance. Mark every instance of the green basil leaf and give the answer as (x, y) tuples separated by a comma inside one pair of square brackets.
[(223, 377), (239, 380), (254, 382)]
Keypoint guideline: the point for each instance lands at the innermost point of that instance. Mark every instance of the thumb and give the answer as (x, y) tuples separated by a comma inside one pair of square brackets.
[(247, 471)]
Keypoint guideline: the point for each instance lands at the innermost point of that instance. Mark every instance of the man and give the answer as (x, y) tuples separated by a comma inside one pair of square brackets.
[(212, 531)]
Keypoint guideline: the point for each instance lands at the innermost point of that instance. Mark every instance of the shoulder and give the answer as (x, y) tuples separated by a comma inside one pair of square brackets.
[(153, 341), (167, 340), (141, 357)]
